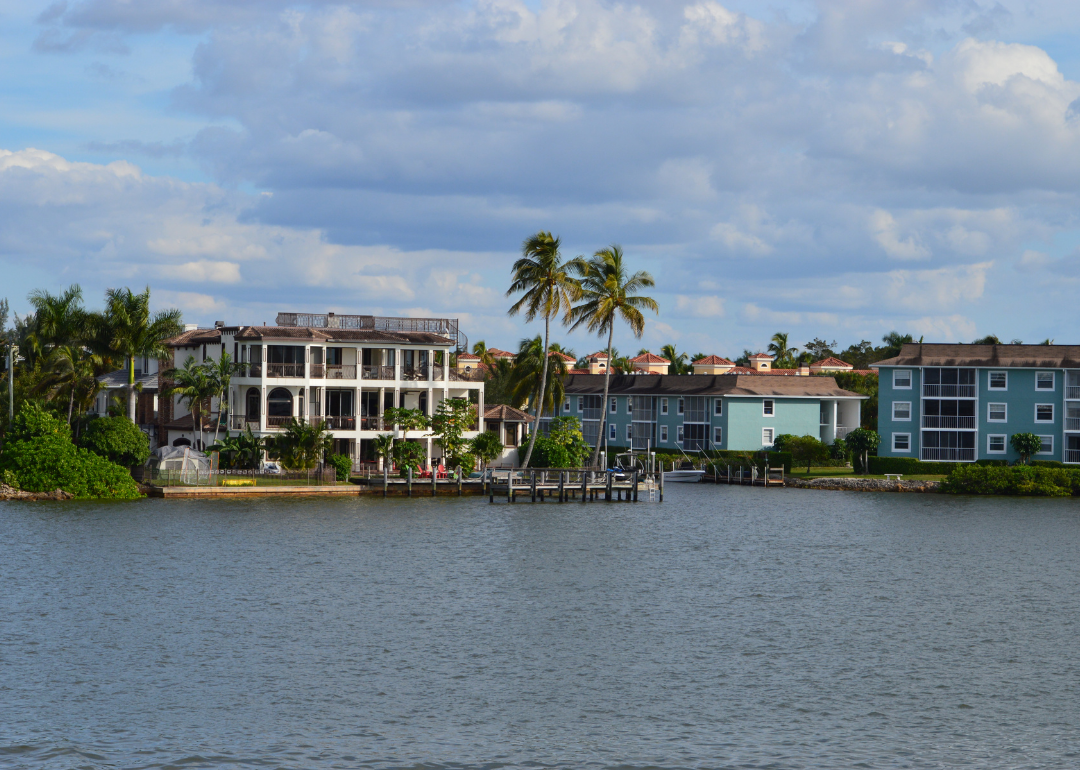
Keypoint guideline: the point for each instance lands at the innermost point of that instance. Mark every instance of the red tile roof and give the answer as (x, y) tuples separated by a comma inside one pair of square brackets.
[(504, 413), (762, 355), (714, 361), (599, 355), (649, 358), (467, 357), (561, 355), (831, 361), (496, 353)]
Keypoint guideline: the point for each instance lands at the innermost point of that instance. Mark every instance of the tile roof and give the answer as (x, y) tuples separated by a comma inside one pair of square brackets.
[(649, 358), (1024, 356), (597, 356), (714, 361), (561, 355), (194, 337), (832, 361), (505, 413), (467, 357), (761, 356), (496, 353), (756, 384), (119, 379)]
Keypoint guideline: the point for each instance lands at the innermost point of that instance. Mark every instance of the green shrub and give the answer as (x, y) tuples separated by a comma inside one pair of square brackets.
[(43, 458), (994, 463), (117, 439), (880, 465), (342, 466), (548, 453), (9, 479), (1016, 480), (1047, 464)]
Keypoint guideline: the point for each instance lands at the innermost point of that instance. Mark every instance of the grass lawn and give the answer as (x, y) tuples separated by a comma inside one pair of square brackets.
[(847, 473)]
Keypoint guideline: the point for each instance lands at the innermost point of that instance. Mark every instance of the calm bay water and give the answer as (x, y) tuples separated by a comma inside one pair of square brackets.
[(725, 628)]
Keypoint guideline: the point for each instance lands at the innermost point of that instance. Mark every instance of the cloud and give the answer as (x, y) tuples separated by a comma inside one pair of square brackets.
[(886, 232), (700, 307)]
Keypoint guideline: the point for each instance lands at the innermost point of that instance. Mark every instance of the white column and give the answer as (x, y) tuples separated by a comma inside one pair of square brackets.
[(446, 366), (262, 409), (480, 410), (397, 367)]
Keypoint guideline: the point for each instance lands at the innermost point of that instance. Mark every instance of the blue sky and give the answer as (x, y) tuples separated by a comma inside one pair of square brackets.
[(831, 170)]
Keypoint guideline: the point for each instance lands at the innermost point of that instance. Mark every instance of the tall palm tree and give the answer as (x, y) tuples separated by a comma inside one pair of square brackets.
[(70, 368), (220, 373), (58, 319), (550, 289), (136, 333), (608, 293), (779, 348), (194, 385), (480, 349), (677, 359)]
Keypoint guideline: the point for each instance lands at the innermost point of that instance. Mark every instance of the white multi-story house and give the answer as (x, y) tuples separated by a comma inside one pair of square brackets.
[(343, 369)]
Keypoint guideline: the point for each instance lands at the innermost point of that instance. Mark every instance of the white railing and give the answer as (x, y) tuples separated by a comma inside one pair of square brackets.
[(1072, 391), (843, 430), (948, 454), (948, 391), (1072, 423), (947, 421), (1072, 455)]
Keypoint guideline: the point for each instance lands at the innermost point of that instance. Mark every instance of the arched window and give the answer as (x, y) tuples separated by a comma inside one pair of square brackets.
[(181, 442), (253, 403), (279, 403)]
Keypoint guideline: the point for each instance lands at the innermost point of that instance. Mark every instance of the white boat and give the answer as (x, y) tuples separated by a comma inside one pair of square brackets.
[(688, 476)]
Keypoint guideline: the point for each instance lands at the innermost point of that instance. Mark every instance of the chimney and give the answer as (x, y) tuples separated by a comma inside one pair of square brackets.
[(219, 324)]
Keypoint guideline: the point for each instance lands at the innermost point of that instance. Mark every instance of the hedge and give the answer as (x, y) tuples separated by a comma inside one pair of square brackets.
[(1039, 481), (342, 465), (881, 465)]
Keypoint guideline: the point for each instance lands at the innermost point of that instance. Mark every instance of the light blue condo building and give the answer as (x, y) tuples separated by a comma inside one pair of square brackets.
[(961, 403)]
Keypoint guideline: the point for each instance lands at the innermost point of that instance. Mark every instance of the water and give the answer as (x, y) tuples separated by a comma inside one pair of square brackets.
[(727, 627)]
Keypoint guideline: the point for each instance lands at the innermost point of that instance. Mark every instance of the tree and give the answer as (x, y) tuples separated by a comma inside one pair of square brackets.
[(117, 439), (529, 367), (487, 446), (893, 342), (679, 364), (242, 451), (383, 445), (550, 289), (134, 332), (867, 384), (1025, 444), (744, 359), (73, 368), (407, 452), (609, 293), (452, 417), (862, 441), (480, 349), (58, 319), (220, 374), (301, 445), (499, 384), (779, 348), (193, 385), (989, 339), (806, 450), (820, 349)]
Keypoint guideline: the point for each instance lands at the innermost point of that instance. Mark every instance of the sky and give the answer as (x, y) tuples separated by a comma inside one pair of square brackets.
[(833, 169)]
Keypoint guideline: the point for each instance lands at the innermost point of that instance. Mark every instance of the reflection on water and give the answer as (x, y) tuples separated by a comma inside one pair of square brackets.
[(725, 627)]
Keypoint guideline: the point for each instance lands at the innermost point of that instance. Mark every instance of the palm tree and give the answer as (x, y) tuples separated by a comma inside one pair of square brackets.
[(550, 289), (136, 333), (779, 348), (677, 359), (58, 319), (301, 445), (609, 292), (220, 373), (480, 349), (73, 368), (529, 373), (244, 450), (193, 385)]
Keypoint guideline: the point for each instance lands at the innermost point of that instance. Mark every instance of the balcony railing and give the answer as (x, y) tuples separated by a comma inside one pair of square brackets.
[(414, 372), (337, 422), (372, 423), (318, 371), (948, 454), (285, 370), (843, 430), (1072, 391), (1072, 423), (436, 371), (947, 421), (369, 372), (277, 422), (948, 391), (1072, 455), (341, 372), (476, 375), (241, 421)]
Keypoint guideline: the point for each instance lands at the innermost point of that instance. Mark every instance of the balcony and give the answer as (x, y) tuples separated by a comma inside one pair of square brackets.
[(318, 371), (476, 375), (948, 391), (341, 372), (948, 454), (278, 422), (285, 370), (339, 422), (372, 423), (1072, 391), (414, 372), (242, 421), (1072, 455), (947, 421), (369, 372), (843, 430), (436, 371), (1072, 423)]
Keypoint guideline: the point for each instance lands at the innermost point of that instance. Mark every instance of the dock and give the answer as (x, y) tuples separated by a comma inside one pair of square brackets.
[(565, 485), (751, 477)]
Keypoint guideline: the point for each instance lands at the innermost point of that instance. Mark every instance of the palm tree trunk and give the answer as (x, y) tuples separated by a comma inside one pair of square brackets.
[(540, 398), (131, 388), (71, 403), (217, 422), (603, 401)]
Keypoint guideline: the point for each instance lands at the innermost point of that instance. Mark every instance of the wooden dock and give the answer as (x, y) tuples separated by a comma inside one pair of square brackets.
[(751, 477), (569, 484)]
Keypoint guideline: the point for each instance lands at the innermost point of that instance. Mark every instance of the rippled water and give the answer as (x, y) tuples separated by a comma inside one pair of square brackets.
[(725, 628)]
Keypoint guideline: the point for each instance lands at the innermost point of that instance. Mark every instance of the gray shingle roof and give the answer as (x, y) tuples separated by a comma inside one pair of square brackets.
[(1021, 356), (817, 386)]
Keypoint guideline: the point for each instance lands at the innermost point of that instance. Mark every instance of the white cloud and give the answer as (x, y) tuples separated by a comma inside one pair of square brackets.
[(203, 271), (700, 307), (886, 232)]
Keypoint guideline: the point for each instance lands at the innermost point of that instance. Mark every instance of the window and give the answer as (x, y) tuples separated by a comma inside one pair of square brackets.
[(1044, 412), (679, 435), (718, 436), (629, 432), (767, 436), (901, 442), (566, 406), (614, 405), (663, 406), (581, 403), (995, 444), (681, 407), (997, 412), (901, 378), (663, 434), (1044, 380), (901, 410), (767, 408), (718, 407), (612, 433), (999, 381), (1047, 447), (629, 404)]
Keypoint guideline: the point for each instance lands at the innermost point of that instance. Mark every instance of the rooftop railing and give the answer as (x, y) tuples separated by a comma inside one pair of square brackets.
[(445, 327)]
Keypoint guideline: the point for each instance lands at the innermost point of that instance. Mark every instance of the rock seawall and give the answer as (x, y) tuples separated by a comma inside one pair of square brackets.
[(10, 493), (864, 485)]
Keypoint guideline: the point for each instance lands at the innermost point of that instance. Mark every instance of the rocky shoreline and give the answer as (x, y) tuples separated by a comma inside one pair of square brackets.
[(10, 493), (864, 485)]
